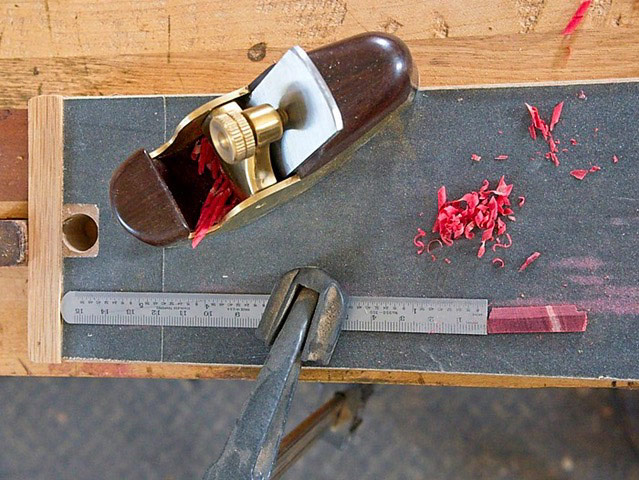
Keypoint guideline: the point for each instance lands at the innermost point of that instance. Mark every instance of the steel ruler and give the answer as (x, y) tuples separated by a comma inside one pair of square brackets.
[(372, 314)]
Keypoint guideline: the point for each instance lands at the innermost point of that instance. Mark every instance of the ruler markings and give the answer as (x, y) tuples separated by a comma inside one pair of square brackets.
[(380, 314)]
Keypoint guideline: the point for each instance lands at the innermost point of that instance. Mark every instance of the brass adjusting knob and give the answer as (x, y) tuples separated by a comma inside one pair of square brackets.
[(232, 136), (238, 134)]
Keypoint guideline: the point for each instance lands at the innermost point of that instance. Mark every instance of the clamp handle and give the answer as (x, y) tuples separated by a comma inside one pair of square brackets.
[(297, 302)]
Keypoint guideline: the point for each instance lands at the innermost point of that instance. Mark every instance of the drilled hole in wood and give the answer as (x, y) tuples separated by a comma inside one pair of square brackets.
[(79, 232)]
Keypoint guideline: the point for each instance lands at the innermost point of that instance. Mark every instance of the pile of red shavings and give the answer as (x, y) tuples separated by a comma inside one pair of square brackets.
[(221, 198), (482, 211), (576, 18), (485, 209)]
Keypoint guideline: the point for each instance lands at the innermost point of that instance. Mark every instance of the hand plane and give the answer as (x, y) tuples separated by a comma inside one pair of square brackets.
[(242, 154)]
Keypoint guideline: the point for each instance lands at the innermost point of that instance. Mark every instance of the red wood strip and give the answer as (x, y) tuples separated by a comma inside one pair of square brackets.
[(531, 311), (536, 319)]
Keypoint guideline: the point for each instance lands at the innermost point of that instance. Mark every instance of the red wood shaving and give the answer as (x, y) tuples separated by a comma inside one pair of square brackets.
[(536, 120), (447, 260), (435, 241), (556, 113), (220, 199), (501, 227), (498, 244), (554, 158), (501, 157), (582, 95), (614, 159), (196, 152), (206, 154), (475, 158), (533, 132), (573, 141), (595, 168), (579, 174), (529, 260), (576, 18), (498, 262), (418, 243)]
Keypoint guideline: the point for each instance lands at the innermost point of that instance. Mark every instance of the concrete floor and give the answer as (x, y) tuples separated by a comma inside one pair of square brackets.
[(163, 429)]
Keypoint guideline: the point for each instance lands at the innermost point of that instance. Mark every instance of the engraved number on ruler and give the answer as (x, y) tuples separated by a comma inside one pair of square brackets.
[(377, 314)]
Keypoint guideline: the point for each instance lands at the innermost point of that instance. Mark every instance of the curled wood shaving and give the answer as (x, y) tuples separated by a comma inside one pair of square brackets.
[(529, 260), (418, 243)]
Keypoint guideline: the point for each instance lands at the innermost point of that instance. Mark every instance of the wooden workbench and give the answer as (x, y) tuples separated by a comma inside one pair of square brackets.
[(96, 48)]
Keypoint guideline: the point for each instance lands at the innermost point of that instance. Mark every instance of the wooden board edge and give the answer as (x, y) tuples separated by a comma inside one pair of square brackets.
[(45, 134), (531, 84), (421, 88), (90, 368)]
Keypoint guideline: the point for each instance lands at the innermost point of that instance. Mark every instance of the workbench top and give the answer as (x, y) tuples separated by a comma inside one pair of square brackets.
[(149, 48)]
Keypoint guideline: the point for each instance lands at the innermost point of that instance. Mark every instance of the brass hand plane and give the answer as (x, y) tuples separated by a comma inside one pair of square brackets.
[(264, 143)]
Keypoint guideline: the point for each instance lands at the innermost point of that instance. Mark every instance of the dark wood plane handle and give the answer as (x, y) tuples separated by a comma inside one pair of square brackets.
[(143, 203), (370, 75)]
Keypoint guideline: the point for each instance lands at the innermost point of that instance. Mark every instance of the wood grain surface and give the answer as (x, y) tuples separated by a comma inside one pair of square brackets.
[(45, 229), (87, 47)]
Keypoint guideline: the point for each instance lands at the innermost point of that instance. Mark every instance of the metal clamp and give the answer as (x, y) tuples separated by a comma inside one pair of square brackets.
[(301, 322)]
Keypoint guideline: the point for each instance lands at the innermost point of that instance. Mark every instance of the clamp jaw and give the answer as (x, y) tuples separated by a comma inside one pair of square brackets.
[(275, 138)]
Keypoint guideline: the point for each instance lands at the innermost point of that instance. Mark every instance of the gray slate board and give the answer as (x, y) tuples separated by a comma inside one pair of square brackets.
[(359, 222)]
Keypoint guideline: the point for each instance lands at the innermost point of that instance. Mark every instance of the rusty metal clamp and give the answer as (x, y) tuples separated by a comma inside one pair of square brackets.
[(301, 322)]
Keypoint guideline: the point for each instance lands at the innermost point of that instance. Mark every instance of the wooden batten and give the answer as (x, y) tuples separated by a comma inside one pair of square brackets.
[(44, 336)]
